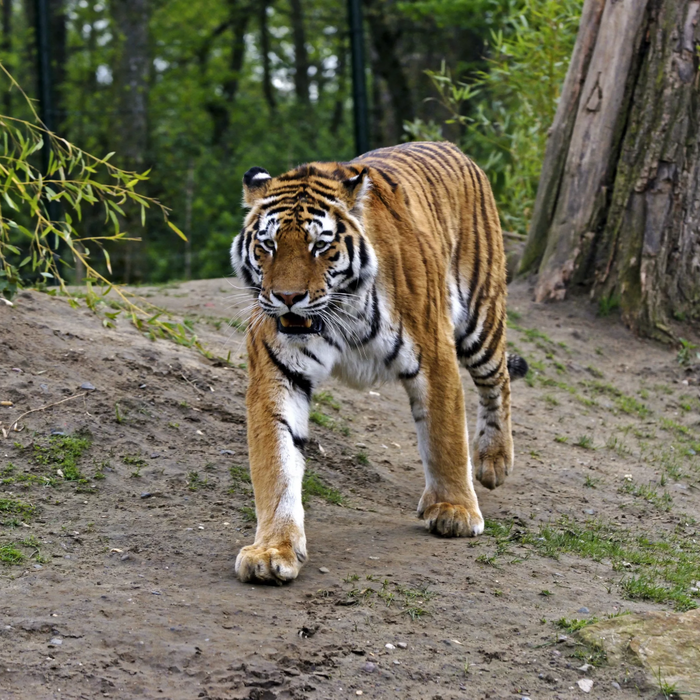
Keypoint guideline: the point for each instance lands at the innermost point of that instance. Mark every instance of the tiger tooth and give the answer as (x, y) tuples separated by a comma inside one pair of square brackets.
[(307, 323), (284, 321)]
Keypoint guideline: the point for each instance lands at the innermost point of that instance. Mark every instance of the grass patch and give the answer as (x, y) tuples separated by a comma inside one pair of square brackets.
[(321, 419), (63, 453), (584, 441), (138, 463), (312, 485), (661, 570), (16, 508), (9, 554), (648, 492), (573, 625), (248, 514), (409, 600), (326, 398), (362, 458), (195, 482)]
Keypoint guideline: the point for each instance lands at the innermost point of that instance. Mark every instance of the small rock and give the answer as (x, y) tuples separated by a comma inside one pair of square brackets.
[(146, 494), (156, 593), (616, 685), (584, 610), (56, 641), (369, 667), (142, 386), (358, 692), (155, 455), (585, 667), (585, 684), (227, 452), (324, 570), (390, 647), (402, 645), (397, 662), (86, 386), (589, 511), (38, 566), (374, 558), (57, 432), (562, 638)]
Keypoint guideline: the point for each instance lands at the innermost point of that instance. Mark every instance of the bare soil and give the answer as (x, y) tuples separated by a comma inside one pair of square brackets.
[(124, 585)]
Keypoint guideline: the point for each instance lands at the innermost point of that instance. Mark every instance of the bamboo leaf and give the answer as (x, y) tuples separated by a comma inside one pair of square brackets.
[(177, 230)]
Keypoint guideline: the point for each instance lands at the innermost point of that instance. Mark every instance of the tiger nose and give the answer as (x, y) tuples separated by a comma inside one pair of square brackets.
[(290, 298)]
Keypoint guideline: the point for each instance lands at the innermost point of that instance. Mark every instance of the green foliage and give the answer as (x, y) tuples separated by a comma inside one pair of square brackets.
[(687, 352), (313, 485), (505, 111), (63, 453)]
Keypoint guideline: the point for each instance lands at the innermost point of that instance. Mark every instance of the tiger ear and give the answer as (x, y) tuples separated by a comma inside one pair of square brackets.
[(355, 190), (255, 183)]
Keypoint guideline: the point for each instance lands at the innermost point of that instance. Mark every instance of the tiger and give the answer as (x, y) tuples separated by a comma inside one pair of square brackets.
[(389, 267)]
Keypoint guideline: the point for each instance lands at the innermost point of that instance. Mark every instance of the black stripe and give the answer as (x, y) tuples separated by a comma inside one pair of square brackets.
[(414, 373), (374, 326), (396, 349), (351, 250), (364, 257), (331, 342), (488, 355), (296, 379), (308, 353), (299, 442)]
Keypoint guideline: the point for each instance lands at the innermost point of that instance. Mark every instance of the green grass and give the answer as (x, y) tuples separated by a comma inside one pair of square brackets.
[(326, 398), (248, 514), (648, 492), (312, 485), (9, 554), (63, 452), (411, 601), (661, 570), (584, 441), (573, 625), (15, 507), (321, 419), (138, 463), (195, 482), (362, 457)]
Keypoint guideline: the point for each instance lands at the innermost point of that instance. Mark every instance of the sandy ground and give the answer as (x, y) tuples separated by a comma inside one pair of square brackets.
[(124, 587)]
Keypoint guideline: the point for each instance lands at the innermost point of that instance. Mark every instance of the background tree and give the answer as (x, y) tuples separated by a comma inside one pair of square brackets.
[(618, 206)]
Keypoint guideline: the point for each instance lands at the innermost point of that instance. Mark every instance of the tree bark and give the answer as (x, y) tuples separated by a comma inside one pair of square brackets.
[(7, 47), (268, 89), (131, 83), (385, 40), (301, 55), (621, 217)]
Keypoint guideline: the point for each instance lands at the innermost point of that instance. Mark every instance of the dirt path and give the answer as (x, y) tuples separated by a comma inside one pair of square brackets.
[(118, 580)]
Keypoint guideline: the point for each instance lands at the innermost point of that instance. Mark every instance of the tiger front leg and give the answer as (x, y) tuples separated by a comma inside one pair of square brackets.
[(278, 408), (449, 505)]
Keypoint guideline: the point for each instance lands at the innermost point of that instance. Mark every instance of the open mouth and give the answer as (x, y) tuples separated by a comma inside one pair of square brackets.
[(291, 324)]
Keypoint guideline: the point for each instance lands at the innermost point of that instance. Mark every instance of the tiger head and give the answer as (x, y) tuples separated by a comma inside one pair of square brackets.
[(303, 247)]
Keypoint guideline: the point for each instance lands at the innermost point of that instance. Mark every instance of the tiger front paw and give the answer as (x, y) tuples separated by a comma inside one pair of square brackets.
[(453, 521), (270, 564)]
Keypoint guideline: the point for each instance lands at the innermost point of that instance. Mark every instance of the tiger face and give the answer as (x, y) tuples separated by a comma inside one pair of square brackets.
[(302, 248)]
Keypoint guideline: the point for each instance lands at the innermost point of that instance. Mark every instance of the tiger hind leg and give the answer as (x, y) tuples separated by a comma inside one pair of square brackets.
[(481, 349)]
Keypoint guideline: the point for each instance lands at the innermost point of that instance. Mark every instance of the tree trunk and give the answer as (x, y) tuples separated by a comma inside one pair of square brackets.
[(389, 66), (131, 83), (7, 48), (268, 89), (618, 206), (301, 55)]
